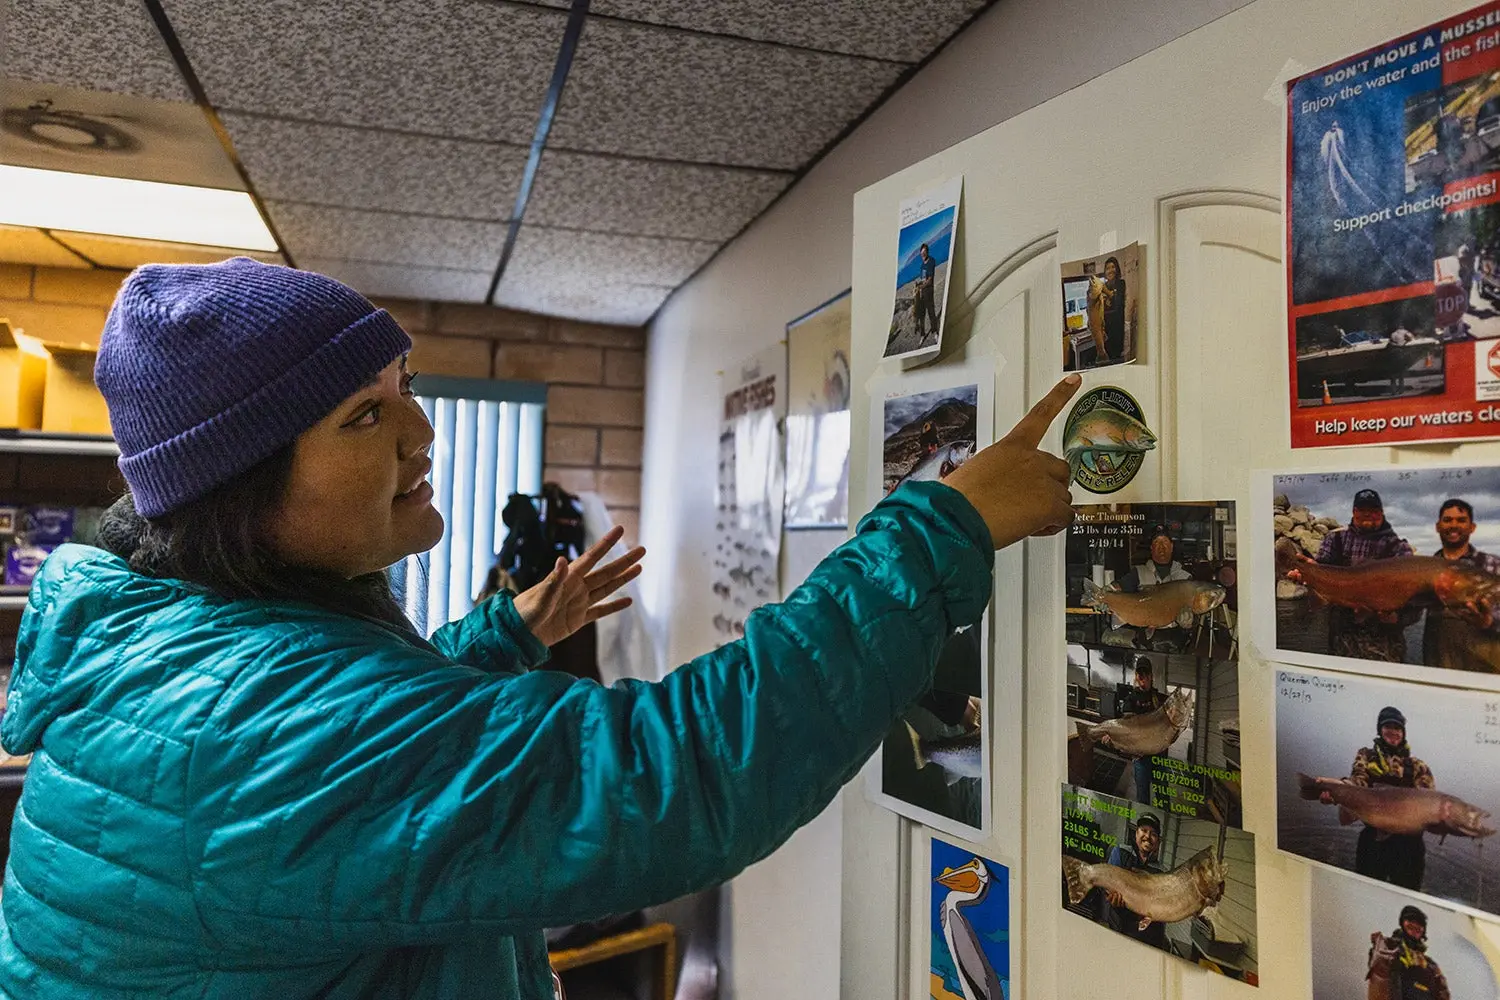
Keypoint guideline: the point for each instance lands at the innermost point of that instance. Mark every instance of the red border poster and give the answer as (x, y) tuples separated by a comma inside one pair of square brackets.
[(1393, 240)]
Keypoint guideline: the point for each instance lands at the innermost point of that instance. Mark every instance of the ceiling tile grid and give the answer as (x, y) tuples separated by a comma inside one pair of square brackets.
[(403, 281), (387, 238), (546, 253), (365, 168), (648, 197), (646, 92), (457, 68), (573, 297), (110, 45)]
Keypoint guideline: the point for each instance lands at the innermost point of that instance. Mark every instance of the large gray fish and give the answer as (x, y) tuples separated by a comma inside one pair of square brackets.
[(1144, 735), (958, 756), (941, 462), (1177, 602), (1192, 888), (1403, 811)]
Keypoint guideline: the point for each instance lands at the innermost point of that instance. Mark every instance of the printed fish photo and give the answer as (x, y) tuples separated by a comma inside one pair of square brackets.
[(929, 434), (924, 252), (1101, 309), (969, 919), (1185, 886), (1376, 943), (1393, 571), (934, 763), (1392, 781), (1152, 656)]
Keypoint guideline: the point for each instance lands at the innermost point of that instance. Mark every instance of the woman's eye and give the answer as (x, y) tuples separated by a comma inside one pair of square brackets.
[(369, 418), (406, 380)]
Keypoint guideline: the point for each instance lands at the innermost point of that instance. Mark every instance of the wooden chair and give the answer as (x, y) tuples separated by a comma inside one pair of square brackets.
[(663, 936)]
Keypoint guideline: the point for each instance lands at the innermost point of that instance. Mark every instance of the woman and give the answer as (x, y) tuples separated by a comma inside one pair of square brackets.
[(251, 778), (1114, 309)]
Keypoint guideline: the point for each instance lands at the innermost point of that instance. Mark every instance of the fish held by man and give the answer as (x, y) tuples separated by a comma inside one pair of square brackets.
[(1395, 810), (1179, 603), (1144, 735), (958, 756), (1193, 888), (1385, 586), (1106, 430)]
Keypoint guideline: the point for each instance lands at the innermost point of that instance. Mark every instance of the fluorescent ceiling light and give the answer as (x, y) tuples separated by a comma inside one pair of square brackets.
[(116, 206)]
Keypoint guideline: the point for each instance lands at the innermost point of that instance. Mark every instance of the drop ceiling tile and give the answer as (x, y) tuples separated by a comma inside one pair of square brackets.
[(404, 281), (648, 197), (647, 92), (885, 29), (551, 255), (99, 45), (461, 68), (384, 237), (125, 252), (23, 245), (571, 298), (362, 168)]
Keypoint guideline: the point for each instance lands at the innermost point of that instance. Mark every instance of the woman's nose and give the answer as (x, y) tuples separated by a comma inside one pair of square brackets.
[(417, 435)]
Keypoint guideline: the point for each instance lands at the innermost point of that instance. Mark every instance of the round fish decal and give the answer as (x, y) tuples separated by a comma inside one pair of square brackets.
[(1106, 439)]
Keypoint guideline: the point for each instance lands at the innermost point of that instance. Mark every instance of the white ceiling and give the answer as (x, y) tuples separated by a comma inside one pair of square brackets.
[(387, 140)]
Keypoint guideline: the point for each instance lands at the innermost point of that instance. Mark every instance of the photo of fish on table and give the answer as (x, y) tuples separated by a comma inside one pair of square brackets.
[(1391, 781), (1152, 669), (1394, 566), (1183, 885)]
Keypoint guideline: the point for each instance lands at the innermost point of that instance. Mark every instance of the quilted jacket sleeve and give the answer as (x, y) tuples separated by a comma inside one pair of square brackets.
[(491, 637), (388, 805)]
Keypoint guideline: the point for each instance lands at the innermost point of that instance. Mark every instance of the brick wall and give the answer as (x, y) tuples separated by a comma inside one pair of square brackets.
[(595, 373)]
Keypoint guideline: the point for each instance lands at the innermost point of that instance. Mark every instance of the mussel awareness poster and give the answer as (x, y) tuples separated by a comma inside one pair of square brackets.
[(1393, 240)]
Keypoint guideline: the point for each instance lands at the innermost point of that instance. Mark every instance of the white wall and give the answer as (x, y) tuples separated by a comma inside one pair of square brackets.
[(1017, 55)]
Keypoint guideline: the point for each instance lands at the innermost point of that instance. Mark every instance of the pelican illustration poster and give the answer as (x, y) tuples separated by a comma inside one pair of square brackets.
[(1393, 240), (970, 926)]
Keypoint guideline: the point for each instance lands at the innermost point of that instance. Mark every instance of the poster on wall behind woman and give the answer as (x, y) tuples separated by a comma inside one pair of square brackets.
[(749, 493), (1393, 240)]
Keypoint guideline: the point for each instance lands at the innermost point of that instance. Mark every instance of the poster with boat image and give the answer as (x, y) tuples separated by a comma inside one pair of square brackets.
[(934, 765), (969, 924), (1392, 571), (1153, 682), (1372, 941), (1393, 240), (925, 244), (1183, 885), (1394, 782)]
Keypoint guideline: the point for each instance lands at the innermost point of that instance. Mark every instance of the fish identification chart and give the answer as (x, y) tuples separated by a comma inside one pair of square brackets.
[(1392, 571), (750, 491), (1394, 782), (1153, 683), (1393, 237), (935, 761), (1186, 886)]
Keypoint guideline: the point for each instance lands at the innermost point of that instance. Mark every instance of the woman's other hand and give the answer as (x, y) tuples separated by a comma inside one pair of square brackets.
[(1017, 489), (573, 594)]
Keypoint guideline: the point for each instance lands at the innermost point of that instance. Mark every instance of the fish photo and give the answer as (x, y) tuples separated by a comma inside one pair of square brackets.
[(1394, 571), (1183, 885), (1101, 309), (1372, 942), (935, 761), (969, 908), (924, 251), (929, 434), (1392, 781), (1105, 439), (1152, 656)]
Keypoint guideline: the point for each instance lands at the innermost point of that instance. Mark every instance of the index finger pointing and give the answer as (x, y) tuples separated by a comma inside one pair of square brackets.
[(1029, 430)]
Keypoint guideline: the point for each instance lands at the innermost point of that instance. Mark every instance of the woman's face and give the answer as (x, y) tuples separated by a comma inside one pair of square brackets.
[(1111, 271), (358, 499)]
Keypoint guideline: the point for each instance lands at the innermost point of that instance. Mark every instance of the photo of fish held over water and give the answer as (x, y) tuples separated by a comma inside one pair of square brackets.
[(1392, 781), (1152, 656), (1186, 886), (1394, 571)]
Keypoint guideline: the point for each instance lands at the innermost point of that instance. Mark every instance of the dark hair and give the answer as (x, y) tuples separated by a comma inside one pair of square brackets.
[(1462, 505), (218, 542), (1119, 271), (922, 247), (1143, 665)]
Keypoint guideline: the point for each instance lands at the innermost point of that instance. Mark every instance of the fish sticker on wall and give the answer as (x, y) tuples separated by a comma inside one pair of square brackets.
[(969, 926), (1105, 439)]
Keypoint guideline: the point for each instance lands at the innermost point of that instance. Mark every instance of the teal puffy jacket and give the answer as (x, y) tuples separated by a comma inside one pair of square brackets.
[(232, 800)]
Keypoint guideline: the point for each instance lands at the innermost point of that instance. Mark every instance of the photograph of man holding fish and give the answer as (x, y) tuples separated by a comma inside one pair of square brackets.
[(1152, 669), (1388, 568), (1183, 885), (1390, 781)]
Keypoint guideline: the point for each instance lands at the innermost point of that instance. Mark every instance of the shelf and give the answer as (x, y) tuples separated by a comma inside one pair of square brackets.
[(35, 443), (12, 602)]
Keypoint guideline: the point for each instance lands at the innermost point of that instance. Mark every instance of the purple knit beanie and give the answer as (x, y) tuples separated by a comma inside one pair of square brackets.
[(209, 369)]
